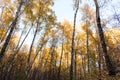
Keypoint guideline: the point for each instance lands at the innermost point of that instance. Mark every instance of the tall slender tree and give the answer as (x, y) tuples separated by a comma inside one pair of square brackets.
[(12, 27), (61, 56), (110, 66), (72, 46)]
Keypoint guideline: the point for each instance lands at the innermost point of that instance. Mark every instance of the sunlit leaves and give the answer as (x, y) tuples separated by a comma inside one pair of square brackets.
[(13, 41), (66, 27), (39, 8), (112, 37), (8, 15), (84, 26)]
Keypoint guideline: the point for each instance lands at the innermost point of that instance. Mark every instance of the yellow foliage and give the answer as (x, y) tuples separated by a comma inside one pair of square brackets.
[(8, 15), (67, 27), (39, 9), (113, 37)]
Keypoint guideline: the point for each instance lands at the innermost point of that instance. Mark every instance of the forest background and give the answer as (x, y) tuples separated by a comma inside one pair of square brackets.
[(59, 40)]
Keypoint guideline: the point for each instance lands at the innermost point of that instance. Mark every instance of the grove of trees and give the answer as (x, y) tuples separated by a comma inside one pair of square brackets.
[(34, 45)]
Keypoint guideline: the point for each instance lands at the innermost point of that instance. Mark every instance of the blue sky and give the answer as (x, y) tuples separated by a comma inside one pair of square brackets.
[(64, 9)]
